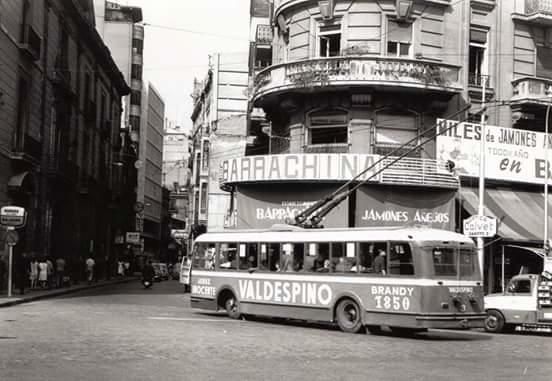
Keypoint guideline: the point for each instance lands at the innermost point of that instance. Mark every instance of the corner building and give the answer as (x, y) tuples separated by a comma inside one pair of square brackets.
[(353, 80)]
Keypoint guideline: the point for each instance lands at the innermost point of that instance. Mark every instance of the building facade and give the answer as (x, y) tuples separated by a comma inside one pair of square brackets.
[(150, 169), (120, 28), (219, 132), (352, 81), (60, 116)]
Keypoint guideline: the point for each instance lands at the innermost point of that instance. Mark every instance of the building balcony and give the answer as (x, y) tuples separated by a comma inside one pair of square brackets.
[(531, 91), (327, 148), (27, 149), (335, 168), (538, 12), (350, 72)]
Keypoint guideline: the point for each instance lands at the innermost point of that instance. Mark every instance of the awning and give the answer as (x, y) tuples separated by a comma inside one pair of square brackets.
[(21, 181), (520, 214), (535, 250)]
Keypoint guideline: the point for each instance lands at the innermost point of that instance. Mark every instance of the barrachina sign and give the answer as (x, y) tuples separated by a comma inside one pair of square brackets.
[(510, 154), (297, 167)]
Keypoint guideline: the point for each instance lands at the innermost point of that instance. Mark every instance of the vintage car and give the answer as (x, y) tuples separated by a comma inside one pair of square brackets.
[(526, 305)]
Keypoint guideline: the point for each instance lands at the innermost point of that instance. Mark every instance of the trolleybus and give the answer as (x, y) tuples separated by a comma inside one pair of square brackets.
[(408, 279)]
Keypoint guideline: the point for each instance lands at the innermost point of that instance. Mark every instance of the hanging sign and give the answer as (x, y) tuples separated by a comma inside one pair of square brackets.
[(14, 216), (480, 226)]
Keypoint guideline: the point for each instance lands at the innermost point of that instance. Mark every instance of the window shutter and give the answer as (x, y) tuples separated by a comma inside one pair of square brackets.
[(401, 32)]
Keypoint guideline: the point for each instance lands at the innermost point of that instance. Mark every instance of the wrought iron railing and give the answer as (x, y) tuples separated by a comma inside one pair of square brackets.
[(416, 171)]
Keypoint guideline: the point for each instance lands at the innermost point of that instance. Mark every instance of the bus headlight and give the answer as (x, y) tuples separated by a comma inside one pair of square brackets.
[(458, 304)]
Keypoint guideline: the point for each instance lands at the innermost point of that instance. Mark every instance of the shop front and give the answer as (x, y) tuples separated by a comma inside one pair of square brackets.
[(515, 172)]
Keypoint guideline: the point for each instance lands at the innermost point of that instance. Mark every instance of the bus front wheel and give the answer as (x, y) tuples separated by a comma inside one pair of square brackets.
[(348, 316), (232, 307)]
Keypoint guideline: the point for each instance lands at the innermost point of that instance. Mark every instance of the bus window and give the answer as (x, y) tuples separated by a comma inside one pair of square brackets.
[(400, 259), (468, 262), (343, 257), (274, 256), (204, 256), (228, 256), (444, 261), (248, 256), (291, 257), (367, 253), (263, 257), (318, 257)]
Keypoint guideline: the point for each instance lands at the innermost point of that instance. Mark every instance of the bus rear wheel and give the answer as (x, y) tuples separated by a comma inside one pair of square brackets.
[(348, 316), (232, 307)]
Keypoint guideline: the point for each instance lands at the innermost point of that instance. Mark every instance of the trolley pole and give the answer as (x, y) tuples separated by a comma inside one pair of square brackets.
[(481, 209)]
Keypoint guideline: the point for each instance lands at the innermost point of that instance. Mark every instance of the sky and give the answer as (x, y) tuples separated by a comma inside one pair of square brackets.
[(178, 38)]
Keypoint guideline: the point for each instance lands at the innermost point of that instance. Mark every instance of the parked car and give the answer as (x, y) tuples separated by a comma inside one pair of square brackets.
[(525, 305)]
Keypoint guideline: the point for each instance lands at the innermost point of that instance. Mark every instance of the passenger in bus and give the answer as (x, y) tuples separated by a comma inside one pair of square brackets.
[(325, 268), (287, 262), (317, 263), (380, 263)]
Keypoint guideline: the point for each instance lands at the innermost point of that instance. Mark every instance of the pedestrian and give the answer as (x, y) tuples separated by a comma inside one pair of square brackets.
[(126, 265), (120, 269), (2, 272), (34, 273), (379, 263), (90, 263), (50, 272), (42, 273), (60, 271), (21, 272)]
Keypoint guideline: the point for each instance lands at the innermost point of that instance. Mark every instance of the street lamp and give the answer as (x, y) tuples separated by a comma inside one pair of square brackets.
[(546, 143)]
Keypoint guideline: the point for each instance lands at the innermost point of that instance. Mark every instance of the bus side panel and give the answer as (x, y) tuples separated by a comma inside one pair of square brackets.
[(286, 311)]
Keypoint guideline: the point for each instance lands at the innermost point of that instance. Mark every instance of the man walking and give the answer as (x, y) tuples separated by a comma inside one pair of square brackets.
[(60, 272), (90, 263)]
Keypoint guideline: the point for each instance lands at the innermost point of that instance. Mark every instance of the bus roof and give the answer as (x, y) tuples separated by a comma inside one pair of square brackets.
[(283, 233)]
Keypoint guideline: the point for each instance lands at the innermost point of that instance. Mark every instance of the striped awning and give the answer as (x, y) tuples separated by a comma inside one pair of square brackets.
[(519, 214)]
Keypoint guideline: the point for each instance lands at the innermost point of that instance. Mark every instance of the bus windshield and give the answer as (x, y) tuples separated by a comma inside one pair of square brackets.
[(450, 261)]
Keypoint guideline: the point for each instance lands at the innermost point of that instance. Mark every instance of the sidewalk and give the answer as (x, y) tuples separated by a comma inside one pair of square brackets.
[(32, 295)]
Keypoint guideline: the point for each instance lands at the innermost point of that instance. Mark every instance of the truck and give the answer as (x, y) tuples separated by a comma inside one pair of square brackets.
[(525, 305)]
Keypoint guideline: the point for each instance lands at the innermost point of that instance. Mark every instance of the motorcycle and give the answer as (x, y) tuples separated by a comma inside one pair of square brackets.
[(147, 283)]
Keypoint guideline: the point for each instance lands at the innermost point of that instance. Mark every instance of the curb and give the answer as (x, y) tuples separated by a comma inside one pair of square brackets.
[(31, 298)]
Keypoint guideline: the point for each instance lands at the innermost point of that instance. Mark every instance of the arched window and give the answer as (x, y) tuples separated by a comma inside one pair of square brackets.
[(328, 127)]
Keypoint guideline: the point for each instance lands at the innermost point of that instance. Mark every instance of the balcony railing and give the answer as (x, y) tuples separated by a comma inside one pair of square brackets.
[(358, 71), (327, 148), (537, 12), (27, 148), (415, 171), (530, 90), (538, 6), (478, 79)]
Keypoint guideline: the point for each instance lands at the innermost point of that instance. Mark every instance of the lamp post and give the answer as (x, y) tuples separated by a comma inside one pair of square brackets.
[(545, 239)]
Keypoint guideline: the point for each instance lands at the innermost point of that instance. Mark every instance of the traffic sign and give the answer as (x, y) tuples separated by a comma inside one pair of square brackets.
[(13, 216), (12, 237), (133, 238), (480, 226)]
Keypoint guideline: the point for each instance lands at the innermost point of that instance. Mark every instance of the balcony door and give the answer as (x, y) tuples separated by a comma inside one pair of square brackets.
[(478, 61)]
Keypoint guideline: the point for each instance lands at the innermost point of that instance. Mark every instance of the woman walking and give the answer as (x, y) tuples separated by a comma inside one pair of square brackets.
[(43, 273), (34, 273)]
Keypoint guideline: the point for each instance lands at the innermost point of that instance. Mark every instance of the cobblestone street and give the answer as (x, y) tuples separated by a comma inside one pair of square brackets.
[(124, 332)]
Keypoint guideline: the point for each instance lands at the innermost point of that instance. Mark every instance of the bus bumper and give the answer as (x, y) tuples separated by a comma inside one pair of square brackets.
[(464, 321)]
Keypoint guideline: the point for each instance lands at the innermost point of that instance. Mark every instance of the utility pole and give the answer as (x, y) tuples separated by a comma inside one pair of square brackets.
[(481, 209), (546, 247)]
